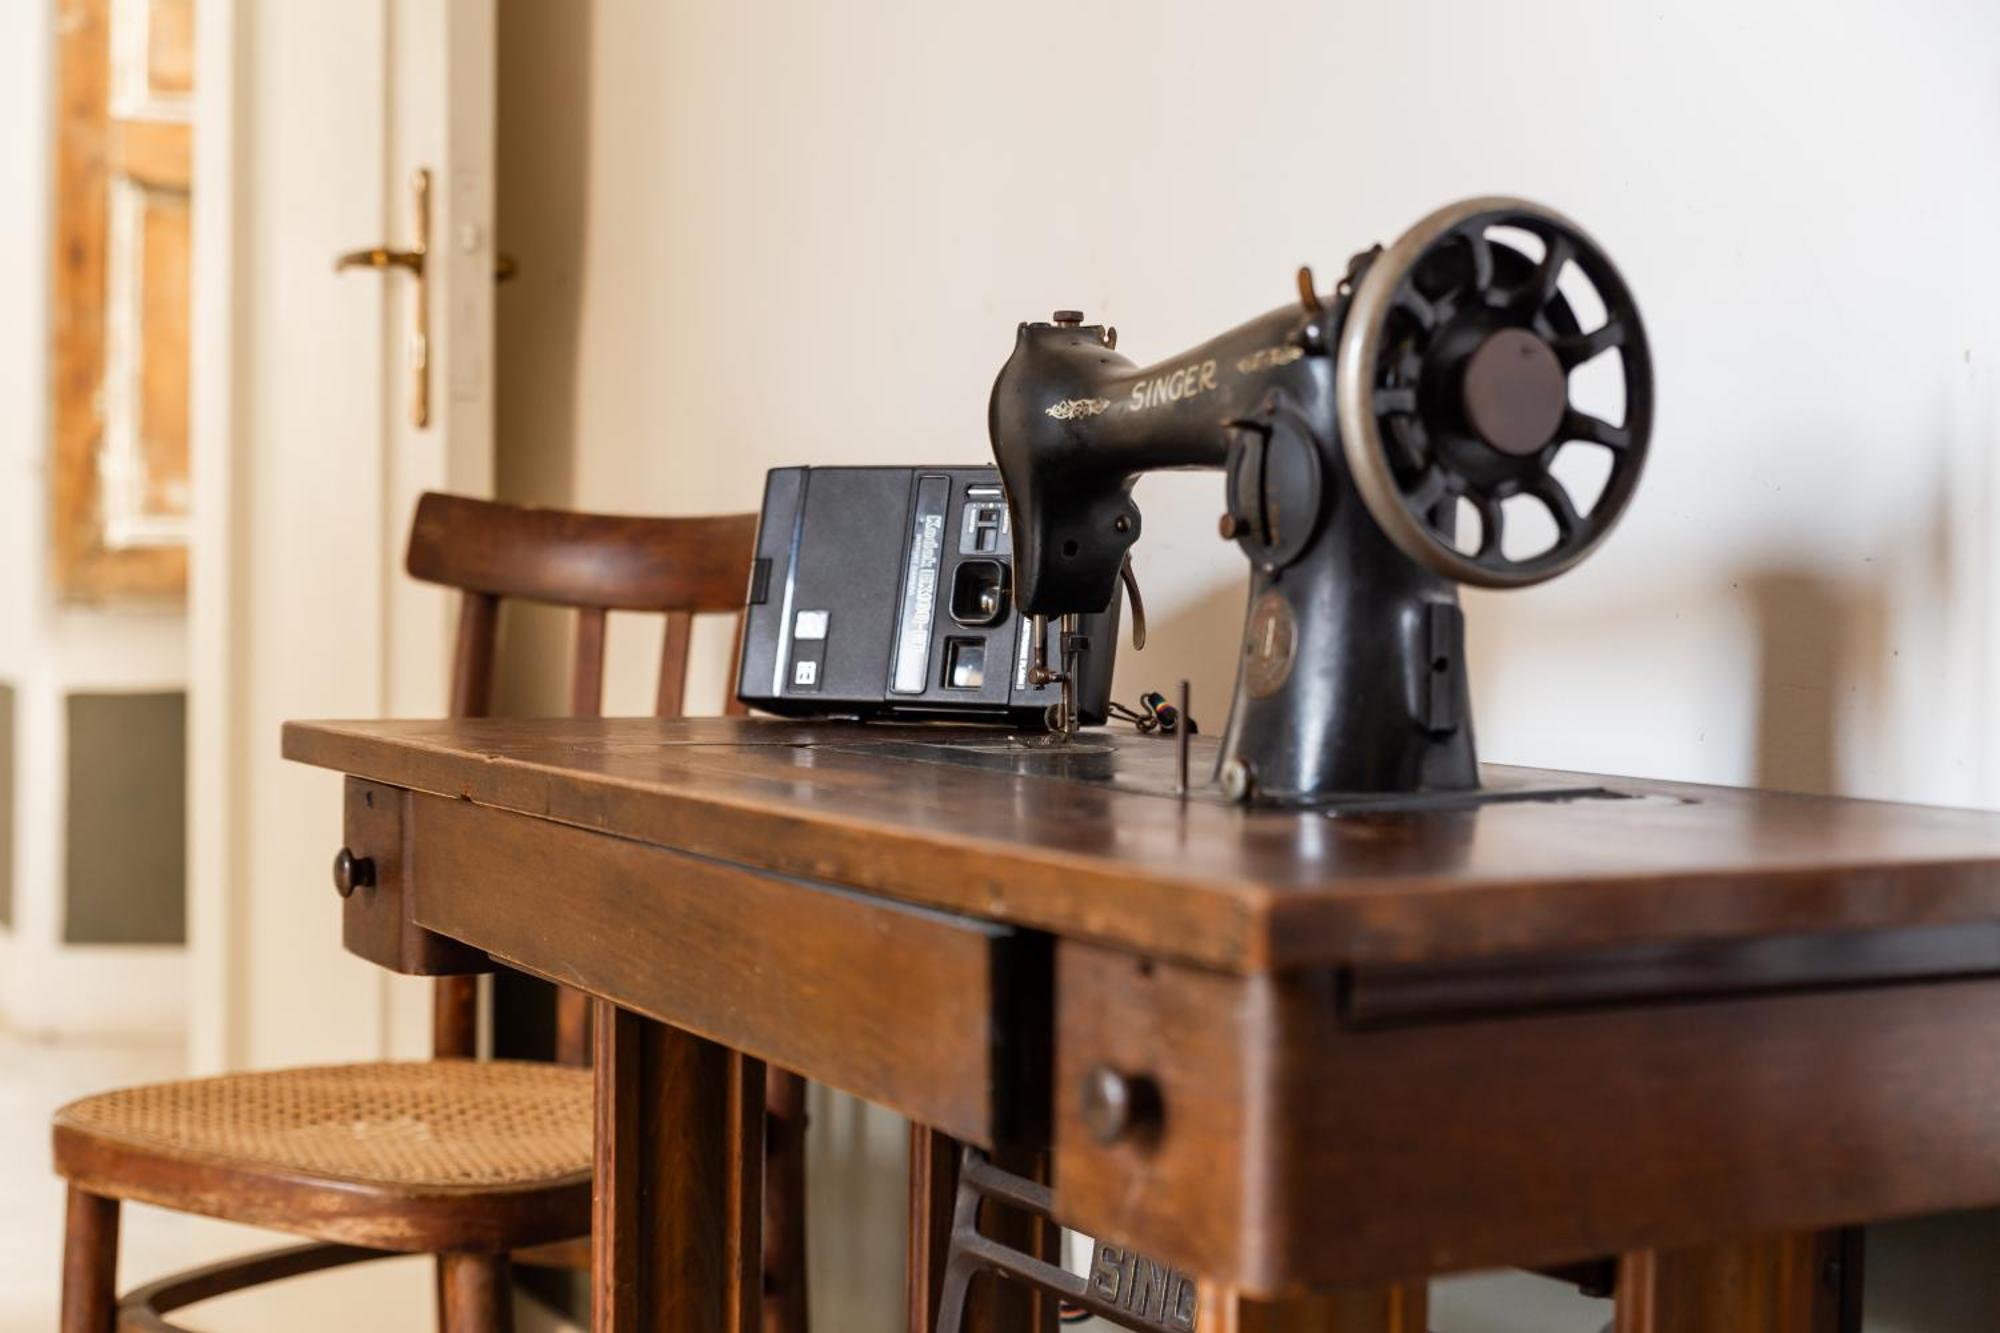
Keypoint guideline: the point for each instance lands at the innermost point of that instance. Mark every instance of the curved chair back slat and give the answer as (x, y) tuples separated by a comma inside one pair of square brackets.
[(601, 561)]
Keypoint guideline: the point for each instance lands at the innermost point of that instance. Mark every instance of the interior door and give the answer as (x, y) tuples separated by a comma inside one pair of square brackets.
[(344, 351)]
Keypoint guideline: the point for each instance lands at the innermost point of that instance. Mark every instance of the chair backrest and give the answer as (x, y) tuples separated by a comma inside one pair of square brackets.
[(595, 563)]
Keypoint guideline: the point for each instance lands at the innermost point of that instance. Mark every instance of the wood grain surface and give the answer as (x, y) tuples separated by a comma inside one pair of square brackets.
[(90, 1263), (595, 561), (1786, 1283), (1399, 1309), (1202, 881), (1376, 1044), (888, 1002), (376, 923), (1524, 1140), (677, 1223)]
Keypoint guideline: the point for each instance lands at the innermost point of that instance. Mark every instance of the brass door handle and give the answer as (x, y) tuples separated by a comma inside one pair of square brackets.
[(411, 261), (380, 257)]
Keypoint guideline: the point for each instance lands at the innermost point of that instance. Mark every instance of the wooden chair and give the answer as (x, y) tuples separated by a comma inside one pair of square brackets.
[(472, 1161)]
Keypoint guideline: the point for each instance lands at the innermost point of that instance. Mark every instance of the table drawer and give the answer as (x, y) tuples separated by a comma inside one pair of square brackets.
[(1273, 1143), (373, 877), (942, 1018)]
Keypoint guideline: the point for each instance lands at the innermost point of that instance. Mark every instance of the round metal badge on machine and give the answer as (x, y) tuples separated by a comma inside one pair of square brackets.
[(1270, 641)]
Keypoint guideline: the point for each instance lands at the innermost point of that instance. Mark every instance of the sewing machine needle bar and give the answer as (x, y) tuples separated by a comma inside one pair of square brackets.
[(1070, 629)]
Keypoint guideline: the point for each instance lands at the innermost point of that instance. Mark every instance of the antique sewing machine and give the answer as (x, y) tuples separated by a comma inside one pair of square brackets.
[(1379, 444)]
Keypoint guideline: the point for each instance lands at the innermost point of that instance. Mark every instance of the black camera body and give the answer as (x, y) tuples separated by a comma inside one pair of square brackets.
[(887, 592)]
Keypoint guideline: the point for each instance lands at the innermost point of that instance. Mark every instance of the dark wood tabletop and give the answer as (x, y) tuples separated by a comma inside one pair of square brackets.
[(1583, 1016), (1199, 880)]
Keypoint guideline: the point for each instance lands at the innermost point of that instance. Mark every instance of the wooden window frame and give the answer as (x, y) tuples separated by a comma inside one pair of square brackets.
[(98, 556)]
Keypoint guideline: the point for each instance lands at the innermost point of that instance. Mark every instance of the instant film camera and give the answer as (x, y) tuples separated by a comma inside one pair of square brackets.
[(887, 592), (1381, 445)]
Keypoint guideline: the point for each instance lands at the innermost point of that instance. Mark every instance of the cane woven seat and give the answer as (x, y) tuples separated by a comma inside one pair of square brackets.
[(484, 1165), (447, 1130)]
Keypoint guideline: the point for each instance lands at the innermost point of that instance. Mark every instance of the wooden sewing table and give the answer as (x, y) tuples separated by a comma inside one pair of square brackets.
[(1696, 1027)]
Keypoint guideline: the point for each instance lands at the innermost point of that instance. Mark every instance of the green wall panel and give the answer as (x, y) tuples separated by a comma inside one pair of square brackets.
[(125, 841)]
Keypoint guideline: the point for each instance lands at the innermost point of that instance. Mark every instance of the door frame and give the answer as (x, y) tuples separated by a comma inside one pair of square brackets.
[(216, 649)]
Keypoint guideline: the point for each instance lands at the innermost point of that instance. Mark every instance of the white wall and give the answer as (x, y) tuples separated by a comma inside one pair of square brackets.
[(809, 231), (804, 233), (23, 166), (47, 650), (24, 51)]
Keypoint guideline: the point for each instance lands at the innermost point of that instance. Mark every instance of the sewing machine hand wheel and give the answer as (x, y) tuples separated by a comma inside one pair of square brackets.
[(1453, 384)]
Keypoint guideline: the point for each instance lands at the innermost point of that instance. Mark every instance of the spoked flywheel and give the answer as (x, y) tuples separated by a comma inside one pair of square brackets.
[(1454, 389)]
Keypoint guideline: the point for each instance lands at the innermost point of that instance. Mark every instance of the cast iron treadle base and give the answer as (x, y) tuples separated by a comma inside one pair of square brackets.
[(1124, 1286)]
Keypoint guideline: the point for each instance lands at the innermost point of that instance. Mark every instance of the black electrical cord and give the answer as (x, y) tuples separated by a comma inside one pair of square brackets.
[(1153, 714)]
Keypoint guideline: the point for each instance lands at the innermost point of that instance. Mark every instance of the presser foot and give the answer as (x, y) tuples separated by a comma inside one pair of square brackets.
[(1123, 1286), (1062, 718)]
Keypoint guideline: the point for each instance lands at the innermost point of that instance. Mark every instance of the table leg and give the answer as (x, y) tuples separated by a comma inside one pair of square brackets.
[(995, 1306), (933, 1193), (677, 1226), (1400, 1309), (785, 1305), (1803, 1282)]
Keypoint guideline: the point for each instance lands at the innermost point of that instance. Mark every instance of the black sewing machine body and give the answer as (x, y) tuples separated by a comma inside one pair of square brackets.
[(1351, 677)]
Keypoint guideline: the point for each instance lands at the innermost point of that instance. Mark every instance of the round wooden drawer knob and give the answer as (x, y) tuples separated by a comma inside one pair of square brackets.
[(351, 872), (1119, 1106)]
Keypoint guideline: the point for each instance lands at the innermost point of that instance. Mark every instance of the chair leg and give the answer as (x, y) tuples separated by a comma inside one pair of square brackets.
[(90, 1264), (478, 1294)]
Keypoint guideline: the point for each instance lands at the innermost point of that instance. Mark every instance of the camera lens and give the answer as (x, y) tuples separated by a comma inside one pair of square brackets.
[(979, 592)]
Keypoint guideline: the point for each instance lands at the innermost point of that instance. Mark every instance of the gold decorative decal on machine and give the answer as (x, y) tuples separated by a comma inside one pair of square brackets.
[(1270, 642), (1269, 358), (1069, 409), (1194, 378)]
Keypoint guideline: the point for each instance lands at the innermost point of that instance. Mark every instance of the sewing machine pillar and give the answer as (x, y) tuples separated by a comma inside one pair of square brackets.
[(1352, 676)]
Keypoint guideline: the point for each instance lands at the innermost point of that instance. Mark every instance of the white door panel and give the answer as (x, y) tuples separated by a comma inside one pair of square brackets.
[(300, 607), (441, 87)]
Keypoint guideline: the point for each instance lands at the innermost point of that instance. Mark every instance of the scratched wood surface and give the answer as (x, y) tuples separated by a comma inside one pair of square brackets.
[(1201, 881), (1285, 1148)]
